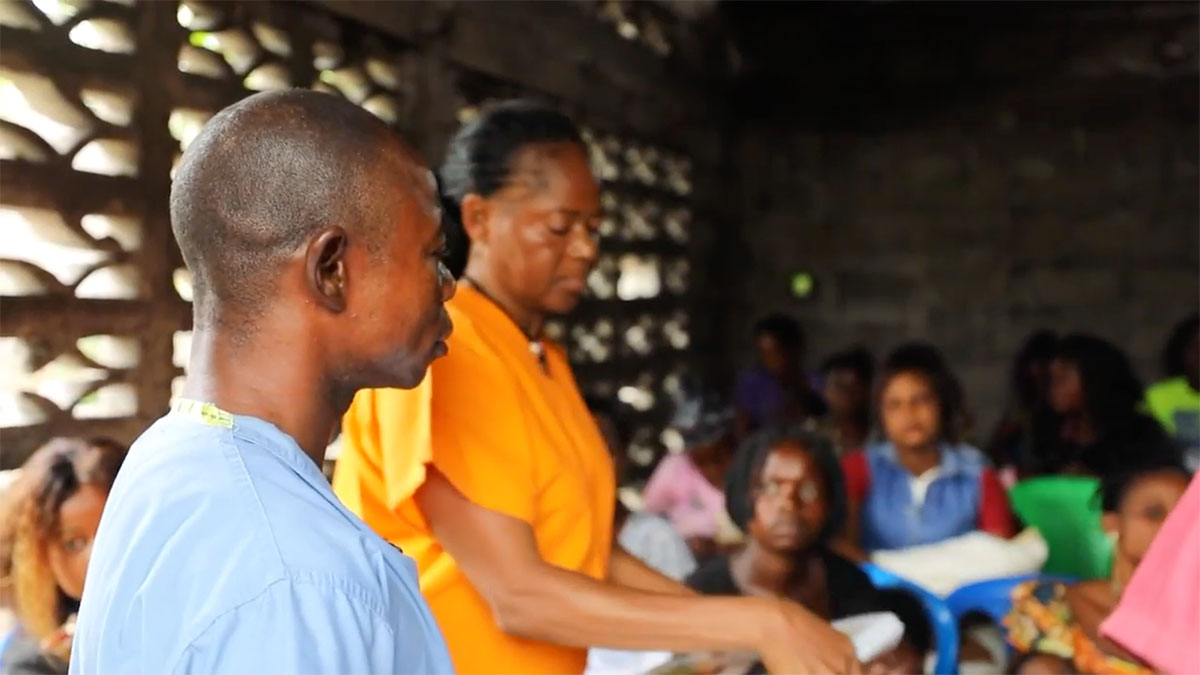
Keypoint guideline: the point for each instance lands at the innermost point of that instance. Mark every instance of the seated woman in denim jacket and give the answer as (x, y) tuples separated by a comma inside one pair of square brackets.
[(920, 485)]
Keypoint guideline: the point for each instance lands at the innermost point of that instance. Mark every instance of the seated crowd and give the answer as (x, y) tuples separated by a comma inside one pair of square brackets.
[(810, 484), (770, 518), (819, 482)]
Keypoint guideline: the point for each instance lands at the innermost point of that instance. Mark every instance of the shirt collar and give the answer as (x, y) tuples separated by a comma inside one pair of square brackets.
[(272, 439), (953, 459), (494, 325), (264, 435)]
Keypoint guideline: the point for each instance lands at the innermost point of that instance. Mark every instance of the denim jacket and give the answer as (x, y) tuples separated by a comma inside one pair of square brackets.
[(890, 519)]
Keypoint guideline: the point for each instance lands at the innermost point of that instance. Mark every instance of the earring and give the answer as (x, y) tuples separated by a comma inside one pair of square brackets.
[(1113, 537)]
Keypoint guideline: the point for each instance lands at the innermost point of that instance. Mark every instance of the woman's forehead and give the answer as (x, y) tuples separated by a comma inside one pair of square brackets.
[(788, 453), (555, 172), (909, 380), (1157, 484)]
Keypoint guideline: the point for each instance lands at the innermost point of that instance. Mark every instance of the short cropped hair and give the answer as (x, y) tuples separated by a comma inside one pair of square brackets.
[(263, 176)]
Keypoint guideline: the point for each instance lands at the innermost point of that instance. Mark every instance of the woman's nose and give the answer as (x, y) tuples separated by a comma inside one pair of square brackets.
[(584, 245)]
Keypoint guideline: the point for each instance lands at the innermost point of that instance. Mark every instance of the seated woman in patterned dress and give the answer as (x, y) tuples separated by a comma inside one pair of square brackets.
[(1054, 626)]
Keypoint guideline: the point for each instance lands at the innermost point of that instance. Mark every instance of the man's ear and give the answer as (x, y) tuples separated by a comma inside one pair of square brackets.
[(475, 211), (325, 268)]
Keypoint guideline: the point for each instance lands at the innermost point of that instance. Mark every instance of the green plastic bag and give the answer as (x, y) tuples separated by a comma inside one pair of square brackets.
[(1066, 510)]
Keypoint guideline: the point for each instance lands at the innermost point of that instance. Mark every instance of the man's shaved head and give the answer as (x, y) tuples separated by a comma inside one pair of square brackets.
[(302, 215), (263, 176)]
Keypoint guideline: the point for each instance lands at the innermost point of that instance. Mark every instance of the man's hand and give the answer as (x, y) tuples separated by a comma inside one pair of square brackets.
[(800, 642)]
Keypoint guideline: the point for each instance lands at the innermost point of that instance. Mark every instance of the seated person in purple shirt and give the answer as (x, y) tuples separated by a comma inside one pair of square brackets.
[(776, 389)]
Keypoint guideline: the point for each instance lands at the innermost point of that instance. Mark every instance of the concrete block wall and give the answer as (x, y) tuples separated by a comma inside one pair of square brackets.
[(1059, 193)]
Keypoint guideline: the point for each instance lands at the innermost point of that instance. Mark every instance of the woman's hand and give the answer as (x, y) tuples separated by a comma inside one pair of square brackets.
[(801, 642)]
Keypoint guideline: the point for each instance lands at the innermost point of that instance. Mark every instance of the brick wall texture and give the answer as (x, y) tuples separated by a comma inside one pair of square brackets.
[(1055, 187)]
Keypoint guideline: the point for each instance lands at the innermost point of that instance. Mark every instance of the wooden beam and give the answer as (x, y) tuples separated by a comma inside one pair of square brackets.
[(17, 443), (28, 316), (38, 185), (33, 52), (404, 20), (555, 48)]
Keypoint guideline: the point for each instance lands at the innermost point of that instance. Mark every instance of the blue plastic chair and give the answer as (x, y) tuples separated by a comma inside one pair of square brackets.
[(945, 626), (992, 597)]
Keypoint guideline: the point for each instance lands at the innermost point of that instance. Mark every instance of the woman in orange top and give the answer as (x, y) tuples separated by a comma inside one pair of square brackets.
[(492, 474)]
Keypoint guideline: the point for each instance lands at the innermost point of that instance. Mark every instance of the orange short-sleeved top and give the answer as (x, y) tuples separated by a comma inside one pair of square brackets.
[(512, 437)]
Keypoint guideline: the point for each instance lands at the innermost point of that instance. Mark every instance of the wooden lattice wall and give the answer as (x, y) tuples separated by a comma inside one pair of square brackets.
[(98, 100)]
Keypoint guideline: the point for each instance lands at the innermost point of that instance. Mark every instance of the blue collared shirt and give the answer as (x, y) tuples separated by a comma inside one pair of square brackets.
[(222, 549)]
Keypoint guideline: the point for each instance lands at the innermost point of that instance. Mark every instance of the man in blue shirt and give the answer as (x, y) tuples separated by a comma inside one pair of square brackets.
[(313, 237)]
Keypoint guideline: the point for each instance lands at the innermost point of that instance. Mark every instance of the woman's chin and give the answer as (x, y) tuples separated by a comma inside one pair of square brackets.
[(915, 440), (561, 301)]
